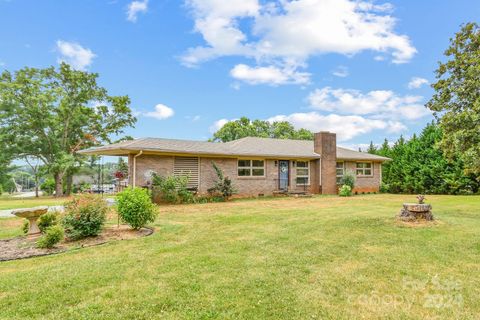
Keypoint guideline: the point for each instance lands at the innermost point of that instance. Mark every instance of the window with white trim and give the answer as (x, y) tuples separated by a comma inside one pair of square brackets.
[(364, 169), (251, 168), (303, 172), (340, 171)]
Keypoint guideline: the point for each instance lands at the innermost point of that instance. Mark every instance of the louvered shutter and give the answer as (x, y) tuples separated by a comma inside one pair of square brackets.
[(187, 166)]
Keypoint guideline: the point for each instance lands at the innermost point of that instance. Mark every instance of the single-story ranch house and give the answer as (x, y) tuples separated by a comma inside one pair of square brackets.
[(257, 166)]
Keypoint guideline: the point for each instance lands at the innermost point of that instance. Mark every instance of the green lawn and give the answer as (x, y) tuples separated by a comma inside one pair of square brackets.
[(7, 202), (318, 258)]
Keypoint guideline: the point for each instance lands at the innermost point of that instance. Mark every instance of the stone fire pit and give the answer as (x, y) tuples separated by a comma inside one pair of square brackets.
[(416, 211), (31, 214)]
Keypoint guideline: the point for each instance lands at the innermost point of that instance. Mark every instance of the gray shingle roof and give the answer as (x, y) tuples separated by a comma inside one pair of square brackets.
[(250, 146)]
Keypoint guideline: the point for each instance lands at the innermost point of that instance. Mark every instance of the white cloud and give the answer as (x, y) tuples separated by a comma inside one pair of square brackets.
[(269, 75), (136, 7), (384, 104), (416, 83), (217, 125), (341, 71), (346, 127), (161, 112), (288, 33), (74, 54)]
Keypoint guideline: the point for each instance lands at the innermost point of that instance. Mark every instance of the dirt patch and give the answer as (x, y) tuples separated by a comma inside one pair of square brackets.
[(21, 247), (421, 223)]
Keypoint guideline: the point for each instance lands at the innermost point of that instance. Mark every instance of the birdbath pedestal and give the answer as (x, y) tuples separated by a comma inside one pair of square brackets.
[(415, 211), (31, 214)]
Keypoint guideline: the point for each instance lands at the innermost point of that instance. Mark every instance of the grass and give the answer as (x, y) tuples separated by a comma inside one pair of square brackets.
[(318, 258), (7, 202)]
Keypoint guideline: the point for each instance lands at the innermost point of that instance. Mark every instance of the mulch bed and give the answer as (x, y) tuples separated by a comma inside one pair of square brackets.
[(21, 247)]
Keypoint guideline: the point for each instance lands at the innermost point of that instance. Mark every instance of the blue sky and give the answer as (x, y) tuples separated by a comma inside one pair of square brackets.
[(361, 69)]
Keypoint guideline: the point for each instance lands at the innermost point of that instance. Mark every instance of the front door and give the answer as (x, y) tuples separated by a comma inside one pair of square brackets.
[(283, 174)]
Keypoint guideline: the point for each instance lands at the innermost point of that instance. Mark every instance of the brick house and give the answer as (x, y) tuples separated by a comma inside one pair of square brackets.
[(257, 166)]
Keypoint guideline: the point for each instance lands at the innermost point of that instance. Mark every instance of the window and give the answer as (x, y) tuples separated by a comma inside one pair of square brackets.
[(251, 168), (303, 172), (340, 171), (364, 168)]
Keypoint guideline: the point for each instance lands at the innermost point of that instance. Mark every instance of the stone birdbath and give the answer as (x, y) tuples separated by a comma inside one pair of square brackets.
[(415, 211), (31, 214)]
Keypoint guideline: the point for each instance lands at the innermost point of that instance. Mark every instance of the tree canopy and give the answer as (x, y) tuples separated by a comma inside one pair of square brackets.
[(456, 101), (419, 166), (244, 127), (50, 114)]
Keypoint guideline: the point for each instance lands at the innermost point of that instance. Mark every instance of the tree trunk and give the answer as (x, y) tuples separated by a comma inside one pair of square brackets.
[(36, 186), (69, 182), (58, 185)]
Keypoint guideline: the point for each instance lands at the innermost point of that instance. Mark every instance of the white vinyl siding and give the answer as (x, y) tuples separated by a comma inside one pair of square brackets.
[(187, 166)]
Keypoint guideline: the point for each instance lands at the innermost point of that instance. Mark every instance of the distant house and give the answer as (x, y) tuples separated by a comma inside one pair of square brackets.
[(257, 166)]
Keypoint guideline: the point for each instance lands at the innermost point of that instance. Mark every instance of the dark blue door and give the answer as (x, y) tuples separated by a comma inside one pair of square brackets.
[(283, 174)]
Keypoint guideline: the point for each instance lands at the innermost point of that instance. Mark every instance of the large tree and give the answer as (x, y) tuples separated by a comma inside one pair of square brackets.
[(50, 114), (245, 127), (456, 101), (419, 166)]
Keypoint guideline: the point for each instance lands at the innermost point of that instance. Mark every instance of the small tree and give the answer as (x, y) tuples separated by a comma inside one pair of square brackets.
[(348, 179), (223, 185)]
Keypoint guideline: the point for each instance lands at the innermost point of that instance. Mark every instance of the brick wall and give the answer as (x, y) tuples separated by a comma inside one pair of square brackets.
[(325, 144), (246, 186), (366, 184), (162, 165)]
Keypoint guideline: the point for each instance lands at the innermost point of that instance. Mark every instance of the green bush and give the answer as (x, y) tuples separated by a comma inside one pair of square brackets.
[(345, 191), (47, 220), (172, 189), (348, 179), (135, 207), (48, 186), (25, 226), (384, 188), (223, 185), (53, 235), (85, 216), (81, 187), (1, 189)]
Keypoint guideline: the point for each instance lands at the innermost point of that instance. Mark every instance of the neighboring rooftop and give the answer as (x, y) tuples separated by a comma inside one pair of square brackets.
[(249, 146)]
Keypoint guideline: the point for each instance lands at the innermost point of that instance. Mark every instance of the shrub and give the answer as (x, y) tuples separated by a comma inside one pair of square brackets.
[(223, 185), (172, 189), (345, 191), (135, 207), (1, 189), (348, 179), (25, 226), (384, 188), (48, 186), (53, 235), (47, 220), (85, 216), (81, 187)]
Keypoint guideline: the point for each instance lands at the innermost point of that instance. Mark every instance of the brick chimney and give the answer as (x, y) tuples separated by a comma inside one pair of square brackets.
[(325, 144)]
